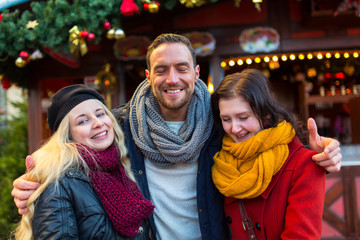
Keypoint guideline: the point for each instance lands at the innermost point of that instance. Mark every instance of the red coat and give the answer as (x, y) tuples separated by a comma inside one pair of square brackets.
[(291, 207)]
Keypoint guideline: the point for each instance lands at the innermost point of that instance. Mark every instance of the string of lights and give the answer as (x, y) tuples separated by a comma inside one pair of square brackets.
[(273, 59)]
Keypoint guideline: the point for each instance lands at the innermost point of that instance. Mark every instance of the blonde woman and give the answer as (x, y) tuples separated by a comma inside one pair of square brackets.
[(87, 190)]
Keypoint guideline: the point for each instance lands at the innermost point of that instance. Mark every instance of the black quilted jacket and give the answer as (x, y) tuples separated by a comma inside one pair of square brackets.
[(74, 211)]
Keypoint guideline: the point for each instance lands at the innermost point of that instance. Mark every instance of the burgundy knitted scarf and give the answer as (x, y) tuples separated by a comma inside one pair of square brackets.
[(121, 197)]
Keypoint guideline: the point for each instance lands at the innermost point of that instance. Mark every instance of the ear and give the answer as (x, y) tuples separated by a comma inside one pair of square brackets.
[(147, 74), (266, 122), (197, 72)]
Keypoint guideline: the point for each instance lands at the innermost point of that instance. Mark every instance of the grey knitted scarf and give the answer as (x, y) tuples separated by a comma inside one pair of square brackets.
[(156, 140)]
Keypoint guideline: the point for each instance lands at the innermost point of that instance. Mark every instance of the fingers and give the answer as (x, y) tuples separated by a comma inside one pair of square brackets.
[(29, 162), (22, 191), (332, 164), (332, 146), (322, 156), (324, 161), (334, 169), (21, 205), (21, 184), (315, 141), (22, 199), (21, 194), (23, 211), (312, 128)]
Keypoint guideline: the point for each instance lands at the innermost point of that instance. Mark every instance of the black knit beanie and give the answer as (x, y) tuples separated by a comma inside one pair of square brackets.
[(66, 99)]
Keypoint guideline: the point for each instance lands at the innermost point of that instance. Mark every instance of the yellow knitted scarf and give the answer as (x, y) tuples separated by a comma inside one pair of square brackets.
[(244, 170)]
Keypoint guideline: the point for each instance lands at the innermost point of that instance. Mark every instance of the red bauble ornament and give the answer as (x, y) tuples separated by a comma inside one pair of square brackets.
[(328, 75), (107, 25), (146, 6), (24, 55), (84, 34), (128, 8), (91, 37), (5, 82), (0, 17)]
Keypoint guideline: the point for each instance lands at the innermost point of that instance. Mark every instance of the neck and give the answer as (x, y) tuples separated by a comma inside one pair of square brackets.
[(175, 115)]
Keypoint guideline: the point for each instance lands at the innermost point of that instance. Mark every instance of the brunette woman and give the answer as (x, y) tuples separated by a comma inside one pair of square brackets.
[(273, 189)]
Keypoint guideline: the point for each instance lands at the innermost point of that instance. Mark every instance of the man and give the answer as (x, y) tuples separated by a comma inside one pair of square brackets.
[(171, 140)]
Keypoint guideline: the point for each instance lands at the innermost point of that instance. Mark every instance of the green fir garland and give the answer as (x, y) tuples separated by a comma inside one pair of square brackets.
[(55, 18)]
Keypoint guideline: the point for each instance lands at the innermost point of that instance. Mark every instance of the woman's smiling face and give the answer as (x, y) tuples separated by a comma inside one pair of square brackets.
[(91, 126), (238, 119)]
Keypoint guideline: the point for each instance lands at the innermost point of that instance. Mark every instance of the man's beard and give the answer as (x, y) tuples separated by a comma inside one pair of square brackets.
[(172, 106)]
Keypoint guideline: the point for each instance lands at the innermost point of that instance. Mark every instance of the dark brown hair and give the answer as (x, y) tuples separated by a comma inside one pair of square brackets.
[(253, 85), (169, 38)]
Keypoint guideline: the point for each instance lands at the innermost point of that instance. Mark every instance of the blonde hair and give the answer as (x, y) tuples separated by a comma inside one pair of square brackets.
[(54, 158)]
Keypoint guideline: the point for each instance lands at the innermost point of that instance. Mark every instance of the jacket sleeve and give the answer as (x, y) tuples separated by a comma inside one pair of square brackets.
[(54, 217), (306, 199)]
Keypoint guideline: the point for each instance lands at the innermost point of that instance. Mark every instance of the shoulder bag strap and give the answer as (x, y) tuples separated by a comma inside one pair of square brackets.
[(246, 221)]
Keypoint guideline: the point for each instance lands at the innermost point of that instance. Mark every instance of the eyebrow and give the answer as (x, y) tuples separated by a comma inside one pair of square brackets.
[(183, 63), (97, 110), (178, 64), (81, 115), (237, 114)]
